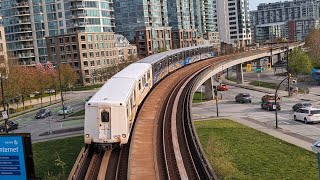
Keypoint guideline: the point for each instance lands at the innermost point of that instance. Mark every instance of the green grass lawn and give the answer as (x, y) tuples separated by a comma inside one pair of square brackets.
[(197, 97), (46, 153), (234, 79), (264, 84), (89, 87), (79, 113), (238, 152)]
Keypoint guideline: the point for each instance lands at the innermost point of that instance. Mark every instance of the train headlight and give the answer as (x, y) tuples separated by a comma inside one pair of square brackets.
[(124, 135), (87, 135)]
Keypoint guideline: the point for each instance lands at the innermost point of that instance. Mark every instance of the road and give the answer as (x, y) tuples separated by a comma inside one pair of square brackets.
[(39, 127), (229, 108)]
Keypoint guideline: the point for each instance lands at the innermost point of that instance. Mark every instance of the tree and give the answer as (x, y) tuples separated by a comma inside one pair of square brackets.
[(42, 79), (313, 43), (68, 75), (299, 63)]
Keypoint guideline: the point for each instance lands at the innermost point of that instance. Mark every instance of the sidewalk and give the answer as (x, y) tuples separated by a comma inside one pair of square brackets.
[(36, 104)]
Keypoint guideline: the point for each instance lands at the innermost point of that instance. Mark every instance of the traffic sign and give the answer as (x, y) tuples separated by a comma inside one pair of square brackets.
[(259, 70), (248, 69), (4, 115)]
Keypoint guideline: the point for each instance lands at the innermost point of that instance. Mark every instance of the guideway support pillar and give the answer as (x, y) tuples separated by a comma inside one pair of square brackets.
[(208, 89), (239, 74)]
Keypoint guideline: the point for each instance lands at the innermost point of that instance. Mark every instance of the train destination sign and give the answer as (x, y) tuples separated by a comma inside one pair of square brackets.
[(12, 161)]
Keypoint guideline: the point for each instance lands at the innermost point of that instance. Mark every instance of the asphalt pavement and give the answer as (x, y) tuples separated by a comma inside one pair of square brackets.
[(252, 115), (54, 126)]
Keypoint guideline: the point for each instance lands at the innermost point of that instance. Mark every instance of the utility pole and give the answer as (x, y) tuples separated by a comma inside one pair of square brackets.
[(62, 101), (288, 74), (4, 106)]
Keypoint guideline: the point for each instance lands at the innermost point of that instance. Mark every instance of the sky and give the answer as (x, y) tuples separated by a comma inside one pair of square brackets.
[(254, 3)]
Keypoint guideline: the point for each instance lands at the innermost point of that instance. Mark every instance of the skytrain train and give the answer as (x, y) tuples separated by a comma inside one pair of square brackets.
[(110, 113)]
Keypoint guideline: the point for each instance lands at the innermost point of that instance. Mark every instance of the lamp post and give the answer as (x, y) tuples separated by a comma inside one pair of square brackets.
[(62, 101), (276, 97), (287, 54), (4, 106)]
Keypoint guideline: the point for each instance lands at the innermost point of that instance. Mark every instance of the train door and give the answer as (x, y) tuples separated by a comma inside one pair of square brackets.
[(105, 124)]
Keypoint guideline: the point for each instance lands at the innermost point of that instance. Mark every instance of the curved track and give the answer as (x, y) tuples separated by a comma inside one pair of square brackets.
[(163, 143), (148, 148)]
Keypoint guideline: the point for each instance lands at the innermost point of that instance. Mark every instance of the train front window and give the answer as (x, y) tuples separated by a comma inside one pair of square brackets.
[(105, 116)]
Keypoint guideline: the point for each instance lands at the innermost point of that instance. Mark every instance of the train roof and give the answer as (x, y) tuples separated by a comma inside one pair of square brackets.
[(155, 57), (108, 94), (134, 70)]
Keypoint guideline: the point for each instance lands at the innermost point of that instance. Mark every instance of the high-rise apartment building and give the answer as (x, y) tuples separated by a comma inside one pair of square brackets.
[(3, 53), (181, 18), (89, 16), (297, 17), (206, 17), (234, 22), (88, 53), (145, 23), (27, 23)]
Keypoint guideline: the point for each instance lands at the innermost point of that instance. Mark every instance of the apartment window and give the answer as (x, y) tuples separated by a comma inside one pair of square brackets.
[(90, 46), (97, 45), (98, 62), (89, 38), (102, 53), (60, 14), (53, 50), (51, 41), (92, 63), (83, 38), (85, 63), (62, 48), (61, 40), (96, 37), (97, 54), (58, 6), (74, 47), (84, 46), (91, 54), (63, 57), (84, 55), (73, 39), (76, 64), (75, 56), (66, 39)]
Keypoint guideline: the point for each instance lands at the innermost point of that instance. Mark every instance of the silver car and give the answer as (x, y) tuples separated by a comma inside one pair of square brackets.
[(67, 110)]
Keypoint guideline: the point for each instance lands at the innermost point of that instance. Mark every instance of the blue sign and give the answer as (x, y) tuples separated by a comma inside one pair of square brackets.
[(12, 163)]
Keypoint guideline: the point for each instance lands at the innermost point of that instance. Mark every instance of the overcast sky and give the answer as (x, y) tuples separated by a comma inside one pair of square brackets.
[(254, 3)]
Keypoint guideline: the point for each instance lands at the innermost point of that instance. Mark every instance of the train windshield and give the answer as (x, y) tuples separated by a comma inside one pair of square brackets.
[(105, 116)]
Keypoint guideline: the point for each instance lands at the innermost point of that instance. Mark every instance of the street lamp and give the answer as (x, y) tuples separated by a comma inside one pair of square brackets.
[(276, 97), (62, 101), (4, 113)]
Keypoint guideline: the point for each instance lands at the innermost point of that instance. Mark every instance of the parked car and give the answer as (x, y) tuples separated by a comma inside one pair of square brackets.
[(67, 110), (269, 97), (43, 113), (10, 126), (222, 87), (269, 105), (307, 114), (243, 98), (300, 105), (51, 91)]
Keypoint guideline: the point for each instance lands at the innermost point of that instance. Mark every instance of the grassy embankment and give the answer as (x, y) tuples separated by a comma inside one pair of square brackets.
[(56, 157), (238, 152)]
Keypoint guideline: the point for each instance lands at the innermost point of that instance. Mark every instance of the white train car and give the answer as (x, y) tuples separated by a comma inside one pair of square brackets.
[(110, 113)]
